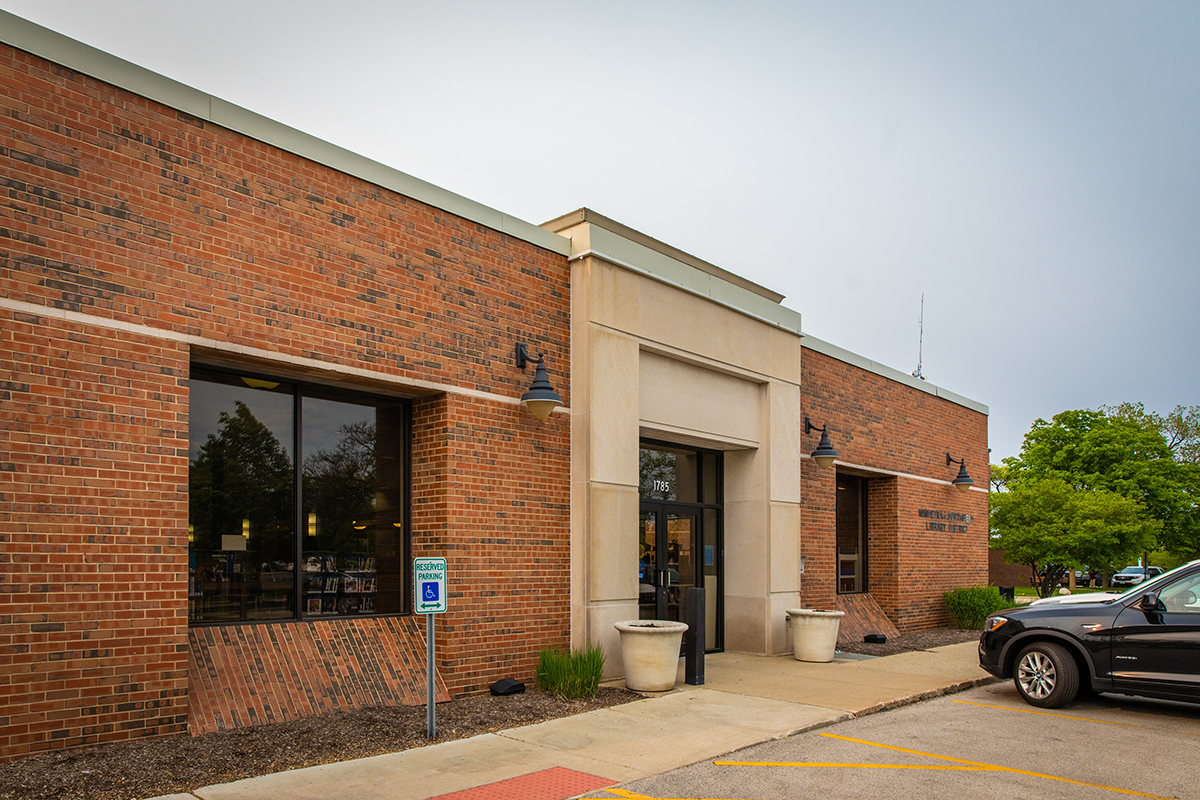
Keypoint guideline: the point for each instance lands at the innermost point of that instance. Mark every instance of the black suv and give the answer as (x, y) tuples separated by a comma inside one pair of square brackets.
[(1145, 641)]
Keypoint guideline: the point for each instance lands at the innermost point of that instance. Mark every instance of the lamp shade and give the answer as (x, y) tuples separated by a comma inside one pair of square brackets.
[(963, 482), (824, 455), (541, 399)]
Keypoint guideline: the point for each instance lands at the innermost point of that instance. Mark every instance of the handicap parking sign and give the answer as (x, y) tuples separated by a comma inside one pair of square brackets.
[(429, 585)]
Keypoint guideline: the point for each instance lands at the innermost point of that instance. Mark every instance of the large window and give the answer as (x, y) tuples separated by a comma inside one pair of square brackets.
[(297, 500)]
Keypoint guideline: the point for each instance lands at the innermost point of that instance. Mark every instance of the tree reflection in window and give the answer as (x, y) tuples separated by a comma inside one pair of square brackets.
[(341, 483), (240, 510), (245, 528), (353, 515)]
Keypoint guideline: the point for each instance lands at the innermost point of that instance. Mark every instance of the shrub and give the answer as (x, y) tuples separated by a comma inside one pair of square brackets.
[(570, 675), (971, 605)]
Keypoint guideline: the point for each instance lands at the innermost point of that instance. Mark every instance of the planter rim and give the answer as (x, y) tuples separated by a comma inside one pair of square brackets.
[(813, 612), (650, 626)]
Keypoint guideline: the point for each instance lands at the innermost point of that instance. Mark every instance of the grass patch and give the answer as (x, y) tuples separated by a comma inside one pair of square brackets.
[(1029, 591), (570, 675)]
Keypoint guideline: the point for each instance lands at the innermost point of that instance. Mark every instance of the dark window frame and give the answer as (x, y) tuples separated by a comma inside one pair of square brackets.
[(864, 485), (328, 391)]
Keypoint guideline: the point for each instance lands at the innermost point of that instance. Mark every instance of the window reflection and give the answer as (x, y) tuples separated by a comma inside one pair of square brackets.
[(667, 473), (240, 503), (242, 533), (353, 507)]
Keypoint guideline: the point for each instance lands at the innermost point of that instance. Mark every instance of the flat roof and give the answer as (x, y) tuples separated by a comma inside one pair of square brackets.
[(85, 59), (637, 250), (572, 219)]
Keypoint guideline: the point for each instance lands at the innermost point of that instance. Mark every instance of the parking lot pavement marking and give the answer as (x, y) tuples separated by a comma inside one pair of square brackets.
[(1068, 716), (851, 764), (975, 765)]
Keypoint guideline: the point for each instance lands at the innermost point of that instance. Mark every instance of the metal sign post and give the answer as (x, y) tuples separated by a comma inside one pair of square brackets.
[(429, 590)]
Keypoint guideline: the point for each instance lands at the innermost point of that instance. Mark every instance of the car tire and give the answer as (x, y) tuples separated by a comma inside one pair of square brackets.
[(1046, 676)]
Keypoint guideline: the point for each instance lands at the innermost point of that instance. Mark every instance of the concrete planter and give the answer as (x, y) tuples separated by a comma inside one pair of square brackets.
[(814, 633), (650, 653)]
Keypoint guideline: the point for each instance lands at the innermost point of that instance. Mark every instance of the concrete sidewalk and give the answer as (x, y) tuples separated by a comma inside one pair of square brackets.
[(745, 700)]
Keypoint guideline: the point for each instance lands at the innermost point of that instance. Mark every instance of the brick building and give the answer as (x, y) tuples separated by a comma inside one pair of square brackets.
[(246, 377)]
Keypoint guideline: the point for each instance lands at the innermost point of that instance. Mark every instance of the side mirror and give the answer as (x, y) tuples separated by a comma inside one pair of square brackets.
[(1149, 602)]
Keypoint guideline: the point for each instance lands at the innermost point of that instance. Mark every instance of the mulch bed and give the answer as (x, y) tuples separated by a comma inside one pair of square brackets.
[(905, 643), (171, 764)]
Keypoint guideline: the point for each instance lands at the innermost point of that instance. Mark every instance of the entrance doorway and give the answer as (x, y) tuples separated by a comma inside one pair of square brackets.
[(679, 536), (668, 560)]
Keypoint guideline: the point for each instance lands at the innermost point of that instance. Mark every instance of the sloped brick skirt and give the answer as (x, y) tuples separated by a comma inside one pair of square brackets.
[(243, 675), (863, 616)]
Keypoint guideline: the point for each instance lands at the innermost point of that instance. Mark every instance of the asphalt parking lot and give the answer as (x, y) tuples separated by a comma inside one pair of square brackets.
[(983, 743)]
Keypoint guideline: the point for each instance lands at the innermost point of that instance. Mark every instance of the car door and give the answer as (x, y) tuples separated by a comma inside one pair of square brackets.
[(1156, 641)]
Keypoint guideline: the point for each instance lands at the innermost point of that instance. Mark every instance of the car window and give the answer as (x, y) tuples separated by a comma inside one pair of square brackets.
[(1182, 596)]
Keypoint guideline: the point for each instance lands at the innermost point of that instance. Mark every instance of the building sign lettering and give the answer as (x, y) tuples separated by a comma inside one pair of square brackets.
[(945, 521)]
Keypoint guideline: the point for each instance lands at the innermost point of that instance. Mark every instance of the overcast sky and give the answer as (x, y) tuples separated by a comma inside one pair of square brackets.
[(1033, 168)]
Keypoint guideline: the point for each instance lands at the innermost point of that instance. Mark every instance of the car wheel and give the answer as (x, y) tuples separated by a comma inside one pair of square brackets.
[(1046, 675)]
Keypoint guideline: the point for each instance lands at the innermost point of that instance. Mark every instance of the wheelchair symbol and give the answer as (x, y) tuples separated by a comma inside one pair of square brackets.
[(429, 592)]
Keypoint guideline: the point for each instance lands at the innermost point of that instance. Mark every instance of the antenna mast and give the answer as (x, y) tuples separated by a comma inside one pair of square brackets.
[(917, 373)]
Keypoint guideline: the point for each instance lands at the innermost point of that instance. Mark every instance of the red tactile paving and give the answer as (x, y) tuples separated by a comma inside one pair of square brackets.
[(556, 783)]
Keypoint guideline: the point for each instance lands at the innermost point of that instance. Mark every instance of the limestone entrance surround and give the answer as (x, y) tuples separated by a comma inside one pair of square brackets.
[(667, 347)]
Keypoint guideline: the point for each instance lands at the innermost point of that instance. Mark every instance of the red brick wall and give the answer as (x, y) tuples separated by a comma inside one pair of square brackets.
[(1002, 573), (253, 674), (93, 535), (878, 424), (121, 209), (490, 495)]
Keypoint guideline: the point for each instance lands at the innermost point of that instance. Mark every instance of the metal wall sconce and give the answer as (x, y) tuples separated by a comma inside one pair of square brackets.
[(824, 455), (963, 482), (541, 399)]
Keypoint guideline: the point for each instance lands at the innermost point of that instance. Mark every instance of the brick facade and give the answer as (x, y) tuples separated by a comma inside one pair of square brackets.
[(883, 426), (135, 238), (1002, 573)]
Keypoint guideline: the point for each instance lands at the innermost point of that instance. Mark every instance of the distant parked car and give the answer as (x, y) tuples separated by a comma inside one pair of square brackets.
[(1132, 576)]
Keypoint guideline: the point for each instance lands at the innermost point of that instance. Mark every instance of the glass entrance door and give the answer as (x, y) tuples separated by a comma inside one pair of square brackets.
[(680, 535), (667, 566)]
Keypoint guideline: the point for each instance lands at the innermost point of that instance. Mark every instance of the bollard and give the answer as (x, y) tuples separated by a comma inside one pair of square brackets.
[(693, 639)]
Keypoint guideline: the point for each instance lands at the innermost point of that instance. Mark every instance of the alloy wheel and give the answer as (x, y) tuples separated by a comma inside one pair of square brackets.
[(1037, 675)]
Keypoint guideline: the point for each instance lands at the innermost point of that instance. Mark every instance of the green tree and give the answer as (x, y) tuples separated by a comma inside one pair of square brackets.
[(1054, 526), (1122, 450), (1180, 428), (998, 477)]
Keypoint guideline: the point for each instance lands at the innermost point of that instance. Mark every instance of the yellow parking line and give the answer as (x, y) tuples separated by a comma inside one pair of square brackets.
[(856, 766), (962, 765), (1068, 716), (973, 764)]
